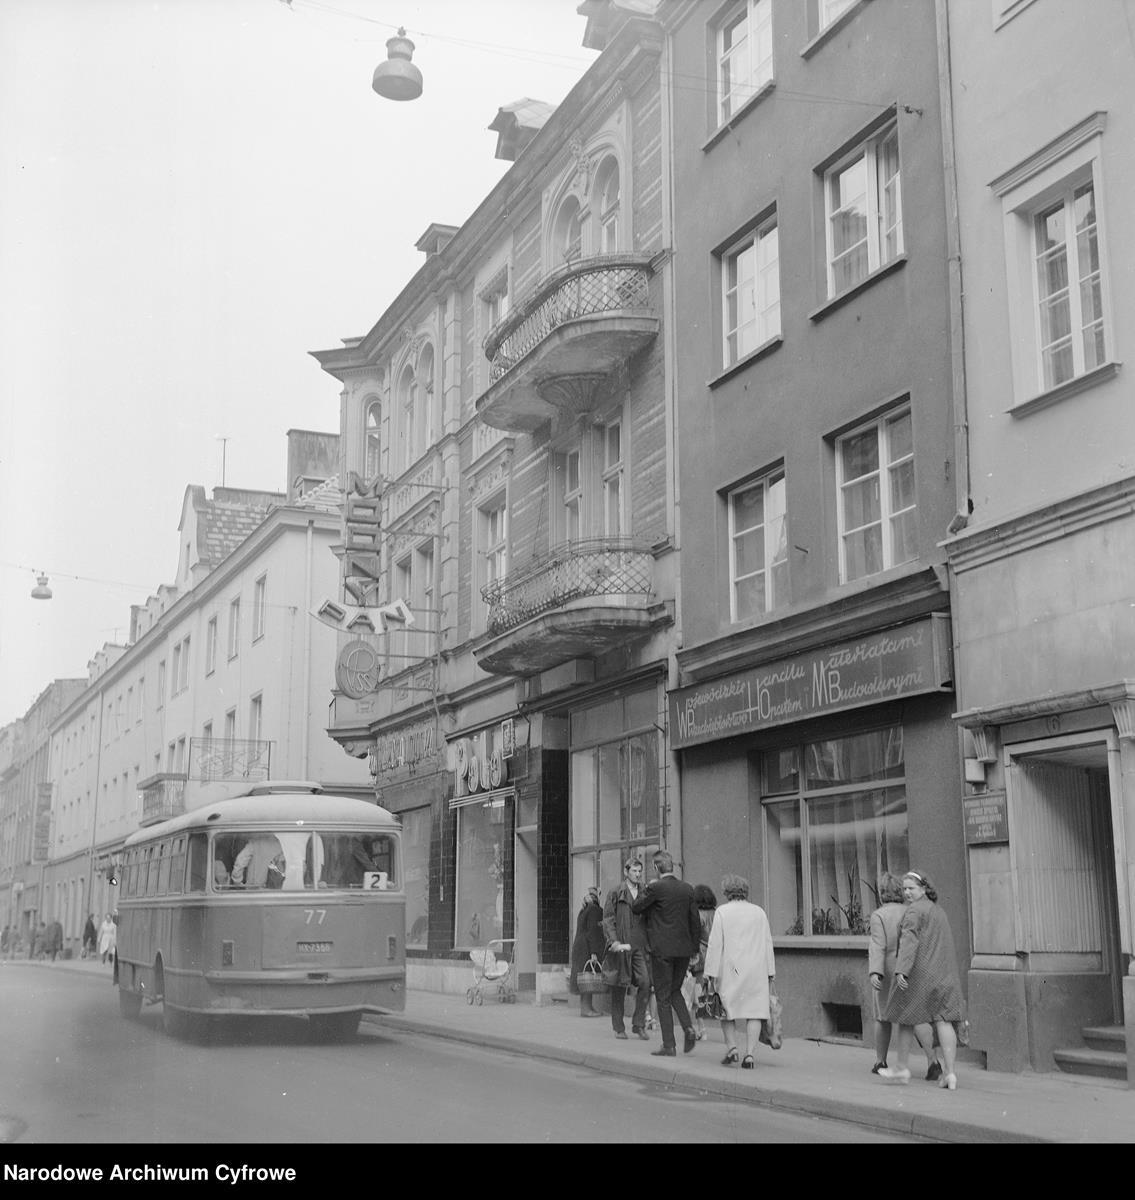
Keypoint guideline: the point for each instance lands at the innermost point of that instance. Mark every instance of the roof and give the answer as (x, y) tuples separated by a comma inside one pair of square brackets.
[(273, 811), (517, 124), (324, 497), (228, 519)]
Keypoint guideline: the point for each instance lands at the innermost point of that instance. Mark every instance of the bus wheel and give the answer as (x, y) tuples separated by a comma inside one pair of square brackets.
[(129, 1004), (335, 1027)]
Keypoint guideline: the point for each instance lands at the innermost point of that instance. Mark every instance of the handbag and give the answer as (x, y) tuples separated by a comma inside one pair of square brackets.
[(714, 1008), (612, 967), (590, 979), (772, 1031)]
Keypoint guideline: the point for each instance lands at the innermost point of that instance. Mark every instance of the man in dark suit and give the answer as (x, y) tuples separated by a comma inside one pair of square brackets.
[(673, 931)]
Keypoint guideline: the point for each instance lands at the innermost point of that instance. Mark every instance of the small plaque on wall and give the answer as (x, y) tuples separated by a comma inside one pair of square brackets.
[(986, 817)]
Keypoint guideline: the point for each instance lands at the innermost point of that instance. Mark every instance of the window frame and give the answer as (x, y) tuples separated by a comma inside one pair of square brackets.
[(211, 645), (234, 628), (885, 466), (730, 261), (260, 607), (756, 15), (256, 717), (765, 480), (866, 150)]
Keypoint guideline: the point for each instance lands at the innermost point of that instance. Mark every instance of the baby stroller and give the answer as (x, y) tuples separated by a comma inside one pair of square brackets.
[(492, 968)]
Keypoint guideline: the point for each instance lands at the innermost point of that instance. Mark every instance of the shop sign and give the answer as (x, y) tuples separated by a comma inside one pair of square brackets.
[(41, 847), (410, 748), (906, 661), (479, 765), (986, 818)]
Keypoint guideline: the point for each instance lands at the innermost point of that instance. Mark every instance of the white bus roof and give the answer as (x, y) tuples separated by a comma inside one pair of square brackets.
[(273, 809)]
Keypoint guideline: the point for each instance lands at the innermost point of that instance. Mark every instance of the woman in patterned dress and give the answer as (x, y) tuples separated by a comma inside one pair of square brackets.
[(926, 985)]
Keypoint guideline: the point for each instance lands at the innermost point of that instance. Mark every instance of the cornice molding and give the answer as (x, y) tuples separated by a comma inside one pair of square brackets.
[(1086, 129)]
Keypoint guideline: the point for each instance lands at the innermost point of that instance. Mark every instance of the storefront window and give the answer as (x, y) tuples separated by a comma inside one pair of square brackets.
[(835, 817), (481, 871), (416, 828)]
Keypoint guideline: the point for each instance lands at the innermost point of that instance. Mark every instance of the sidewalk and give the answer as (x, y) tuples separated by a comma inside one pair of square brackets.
[(821, 1079)]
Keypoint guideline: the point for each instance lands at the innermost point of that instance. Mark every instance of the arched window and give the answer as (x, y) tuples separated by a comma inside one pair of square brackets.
[(407, 415), (568, 235), (607, 206), (372, 440)]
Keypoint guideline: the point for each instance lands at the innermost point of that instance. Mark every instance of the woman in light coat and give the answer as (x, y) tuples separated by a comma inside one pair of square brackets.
[(108, 936), (739, 962)]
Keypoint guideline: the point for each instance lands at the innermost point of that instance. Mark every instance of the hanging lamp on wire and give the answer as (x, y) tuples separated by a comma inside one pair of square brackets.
[(41, 591), (398, 78)]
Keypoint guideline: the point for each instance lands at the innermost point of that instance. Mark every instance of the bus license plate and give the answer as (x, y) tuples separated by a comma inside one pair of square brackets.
[(313, 947)]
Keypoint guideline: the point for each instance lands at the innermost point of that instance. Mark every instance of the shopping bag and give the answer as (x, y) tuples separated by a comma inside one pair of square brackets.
[(772, 1033)]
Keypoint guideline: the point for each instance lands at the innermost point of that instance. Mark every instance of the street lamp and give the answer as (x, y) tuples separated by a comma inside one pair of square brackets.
[(41, 591), (398, 78)]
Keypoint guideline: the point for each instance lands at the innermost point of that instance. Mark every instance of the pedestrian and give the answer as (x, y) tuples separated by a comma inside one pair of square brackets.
[(625, 933), (5, 941), (55, 939), (926, 986), (108, 938), (90, 936), (739, 962), (38, 942), (673, 933), (587, 948), (882, 952), (707, 904)]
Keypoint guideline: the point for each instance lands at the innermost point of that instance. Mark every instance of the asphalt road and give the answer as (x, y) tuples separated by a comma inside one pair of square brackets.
[(74, 1071)]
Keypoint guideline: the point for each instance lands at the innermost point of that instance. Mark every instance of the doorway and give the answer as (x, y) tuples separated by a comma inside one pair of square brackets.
[(1062, 797)]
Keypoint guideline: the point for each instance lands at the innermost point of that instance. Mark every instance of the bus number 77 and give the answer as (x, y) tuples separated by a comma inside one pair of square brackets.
[(308, 913)]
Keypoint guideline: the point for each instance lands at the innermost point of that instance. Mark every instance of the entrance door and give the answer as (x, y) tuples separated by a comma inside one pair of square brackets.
[(1064, 861)]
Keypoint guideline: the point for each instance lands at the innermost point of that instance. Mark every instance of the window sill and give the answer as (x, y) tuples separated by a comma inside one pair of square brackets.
[(739, 115), (1009, 12), (258, 638), (1054, 395), (829, 941), (764, 349), (829, 31), (829, 306)]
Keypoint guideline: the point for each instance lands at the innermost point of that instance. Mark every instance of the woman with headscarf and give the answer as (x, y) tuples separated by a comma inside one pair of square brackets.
[(739, 963), (108, 938), (882, 953), (587, 948), (926, 986)]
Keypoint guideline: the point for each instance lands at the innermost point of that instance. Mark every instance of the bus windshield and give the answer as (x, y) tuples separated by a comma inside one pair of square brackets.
[(303, 860)]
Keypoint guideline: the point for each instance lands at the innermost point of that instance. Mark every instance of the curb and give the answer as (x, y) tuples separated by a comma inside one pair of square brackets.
[(942, 1129)]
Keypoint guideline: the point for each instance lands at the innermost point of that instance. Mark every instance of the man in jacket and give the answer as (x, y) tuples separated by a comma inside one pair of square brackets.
[(626, 945), (673, 931)]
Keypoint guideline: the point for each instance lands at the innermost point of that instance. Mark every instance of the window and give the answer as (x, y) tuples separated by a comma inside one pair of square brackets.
[(141, 697), (1057, 267), (494, 300), (572, 496), (1069, 291), (830, 10), (875, 475), (179, 676), (863, 198), (255, 717), (207, 731), (613, 479), (484, 862), (211, 646), (744, 55), (230, 725), (417, 824), (609, 200), (176, 672), (415, 386), (161, 682), (259, 607), (835, 818), (234, 627), (372, 467), (750, 278), (567, 237), (758, 548), (494, 541)]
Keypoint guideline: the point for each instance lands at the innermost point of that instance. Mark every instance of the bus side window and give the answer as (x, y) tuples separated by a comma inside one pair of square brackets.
[(198, 862), (165, 854)]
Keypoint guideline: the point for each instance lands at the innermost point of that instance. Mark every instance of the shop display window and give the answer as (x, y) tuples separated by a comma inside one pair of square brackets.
[(835, 819), (417, 825), (483, 831)]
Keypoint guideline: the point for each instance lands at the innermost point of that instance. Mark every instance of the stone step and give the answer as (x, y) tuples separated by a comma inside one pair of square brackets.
[(1106, 1037), (1105, 1064)]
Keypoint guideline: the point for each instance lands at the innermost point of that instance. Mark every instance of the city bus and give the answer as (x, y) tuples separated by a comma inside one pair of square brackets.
[(283, 900)]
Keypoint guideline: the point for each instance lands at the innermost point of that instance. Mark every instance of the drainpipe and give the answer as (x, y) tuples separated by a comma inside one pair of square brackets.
[(305, 738), (94, 814), (963, 499)]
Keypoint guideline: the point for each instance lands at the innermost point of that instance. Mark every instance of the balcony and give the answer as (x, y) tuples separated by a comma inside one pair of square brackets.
[(163, 796), (563, 344), (580, 601), (213, 760)]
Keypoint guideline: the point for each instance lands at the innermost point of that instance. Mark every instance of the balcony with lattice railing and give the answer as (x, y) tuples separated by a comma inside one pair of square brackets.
[(163, 796), (578, 601), (566, 339)]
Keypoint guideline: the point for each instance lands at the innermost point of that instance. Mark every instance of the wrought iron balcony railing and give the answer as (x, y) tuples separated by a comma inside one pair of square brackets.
[(608, 284), (213, 759), (574, 570), (163, 796)]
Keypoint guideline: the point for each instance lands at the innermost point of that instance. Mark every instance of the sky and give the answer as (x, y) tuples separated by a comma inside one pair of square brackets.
[(193, 195)]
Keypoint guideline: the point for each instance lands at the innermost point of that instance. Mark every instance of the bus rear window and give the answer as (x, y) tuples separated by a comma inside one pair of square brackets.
[(304, 860)]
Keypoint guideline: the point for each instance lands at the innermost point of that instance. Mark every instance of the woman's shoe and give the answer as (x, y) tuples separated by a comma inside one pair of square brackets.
[(934, 1071), (894, 1074), (747, 1063), (879, 1066), (949, 1082), (730, 1057)]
